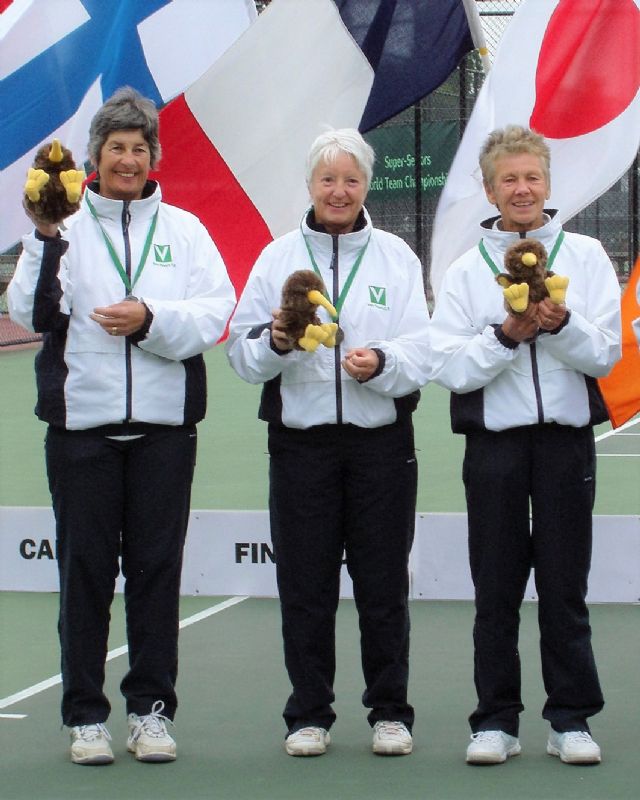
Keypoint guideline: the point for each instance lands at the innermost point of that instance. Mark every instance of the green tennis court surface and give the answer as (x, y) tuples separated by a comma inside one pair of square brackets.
[(232, 687), (232, 682)]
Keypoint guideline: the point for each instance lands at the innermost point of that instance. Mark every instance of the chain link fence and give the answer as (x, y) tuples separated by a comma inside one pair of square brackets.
[(404, 193)]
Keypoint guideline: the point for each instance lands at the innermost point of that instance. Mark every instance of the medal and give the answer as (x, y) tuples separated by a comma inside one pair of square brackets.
[(132, 297), (339, 336)]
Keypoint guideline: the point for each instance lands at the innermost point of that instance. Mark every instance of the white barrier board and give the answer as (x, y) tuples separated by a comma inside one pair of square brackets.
[(230, 553)]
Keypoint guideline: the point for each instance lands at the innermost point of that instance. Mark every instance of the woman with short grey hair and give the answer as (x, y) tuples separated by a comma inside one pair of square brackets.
[(125, 110), (524, 394), (128, 298)]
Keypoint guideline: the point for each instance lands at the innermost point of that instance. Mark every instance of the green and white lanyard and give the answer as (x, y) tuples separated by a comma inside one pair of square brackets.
[(550, 260), (347, 285), (128, 283)]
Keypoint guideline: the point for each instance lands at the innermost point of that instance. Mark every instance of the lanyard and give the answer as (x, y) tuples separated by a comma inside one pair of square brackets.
[(550, 260), (348, 282), (129, 284)]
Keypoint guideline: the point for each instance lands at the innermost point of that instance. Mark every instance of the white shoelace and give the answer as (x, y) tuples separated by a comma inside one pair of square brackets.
[(315, 734), (153, 724), (391, 729), (89, 733), (578, 737)]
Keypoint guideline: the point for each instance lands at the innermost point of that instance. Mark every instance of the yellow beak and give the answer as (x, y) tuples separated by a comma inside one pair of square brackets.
[(55, 154), (318, 299)]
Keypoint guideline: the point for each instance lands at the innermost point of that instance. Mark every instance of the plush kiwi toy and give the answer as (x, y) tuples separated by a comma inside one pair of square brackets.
[(526, 278), (54, 185), (302, 293)]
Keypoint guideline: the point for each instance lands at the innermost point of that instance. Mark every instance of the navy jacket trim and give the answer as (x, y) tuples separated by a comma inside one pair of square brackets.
[(597, 406), (195, 390), (46, 314)]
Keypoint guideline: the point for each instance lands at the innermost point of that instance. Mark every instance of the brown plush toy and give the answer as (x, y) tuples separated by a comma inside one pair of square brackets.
[(526, 279), (54, 185), (302, 293)]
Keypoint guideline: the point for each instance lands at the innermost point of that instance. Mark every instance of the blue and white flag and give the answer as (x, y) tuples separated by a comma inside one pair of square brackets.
[(60, 59)]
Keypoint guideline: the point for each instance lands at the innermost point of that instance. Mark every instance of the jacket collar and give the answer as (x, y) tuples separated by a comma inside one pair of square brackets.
[(321, 238), (546, 234), (361, 222), (138, 209)]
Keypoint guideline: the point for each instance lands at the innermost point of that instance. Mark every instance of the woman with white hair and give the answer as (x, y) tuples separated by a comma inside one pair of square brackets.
[(343, 470)]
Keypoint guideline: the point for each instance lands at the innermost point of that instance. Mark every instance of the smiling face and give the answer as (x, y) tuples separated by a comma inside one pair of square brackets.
[(338, 189), (519, 189), (124, 165)]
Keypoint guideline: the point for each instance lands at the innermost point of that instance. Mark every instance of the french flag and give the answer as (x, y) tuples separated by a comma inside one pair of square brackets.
[(235, 142), (570, 69)]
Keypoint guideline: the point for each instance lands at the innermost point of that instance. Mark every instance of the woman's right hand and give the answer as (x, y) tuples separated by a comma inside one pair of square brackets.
[(281, 340), (522, 326), (45, 228)]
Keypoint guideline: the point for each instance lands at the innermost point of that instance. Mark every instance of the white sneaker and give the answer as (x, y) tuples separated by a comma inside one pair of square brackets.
[(391, 739), (309, 741), (148, 737), (90, 744), (573, 747), (492, 747)]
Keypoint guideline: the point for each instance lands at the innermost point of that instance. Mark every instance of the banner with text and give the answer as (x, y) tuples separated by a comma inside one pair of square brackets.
[(230, 553), (401, 165)]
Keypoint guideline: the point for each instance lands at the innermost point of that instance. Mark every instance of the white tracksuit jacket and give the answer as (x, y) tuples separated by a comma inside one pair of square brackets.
[(384, 309), (552, 379), (85, 377)]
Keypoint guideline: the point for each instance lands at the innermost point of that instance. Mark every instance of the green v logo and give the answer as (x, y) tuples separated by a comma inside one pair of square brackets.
[(162, 253), (378, 295)]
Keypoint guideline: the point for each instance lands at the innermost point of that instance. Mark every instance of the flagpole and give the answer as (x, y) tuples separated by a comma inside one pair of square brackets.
[(417, 133), (477, 34), (634, 207)]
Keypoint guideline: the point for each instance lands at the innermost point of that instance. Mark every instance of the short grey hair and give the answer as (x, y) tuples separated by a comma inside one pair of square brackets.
[(512, 140), (125, 110), (328, 146)]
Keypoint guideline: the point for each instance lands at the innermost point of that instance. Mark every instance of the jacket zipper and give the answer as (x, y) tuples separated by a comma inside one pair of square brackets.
[(536, 381), (126, 219), (534, 367), (336, 350)]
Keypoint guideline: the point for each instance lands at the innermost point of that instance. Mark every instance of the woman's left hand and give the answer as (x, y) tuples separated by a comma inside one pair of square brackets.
[(550, 315), (120, 319), (360, 363)]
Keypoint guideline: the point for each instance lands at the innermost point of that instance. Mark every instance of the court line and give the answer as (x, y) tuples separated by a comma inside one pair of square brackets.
[(614, 431), (5, 702), (618, 455)]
